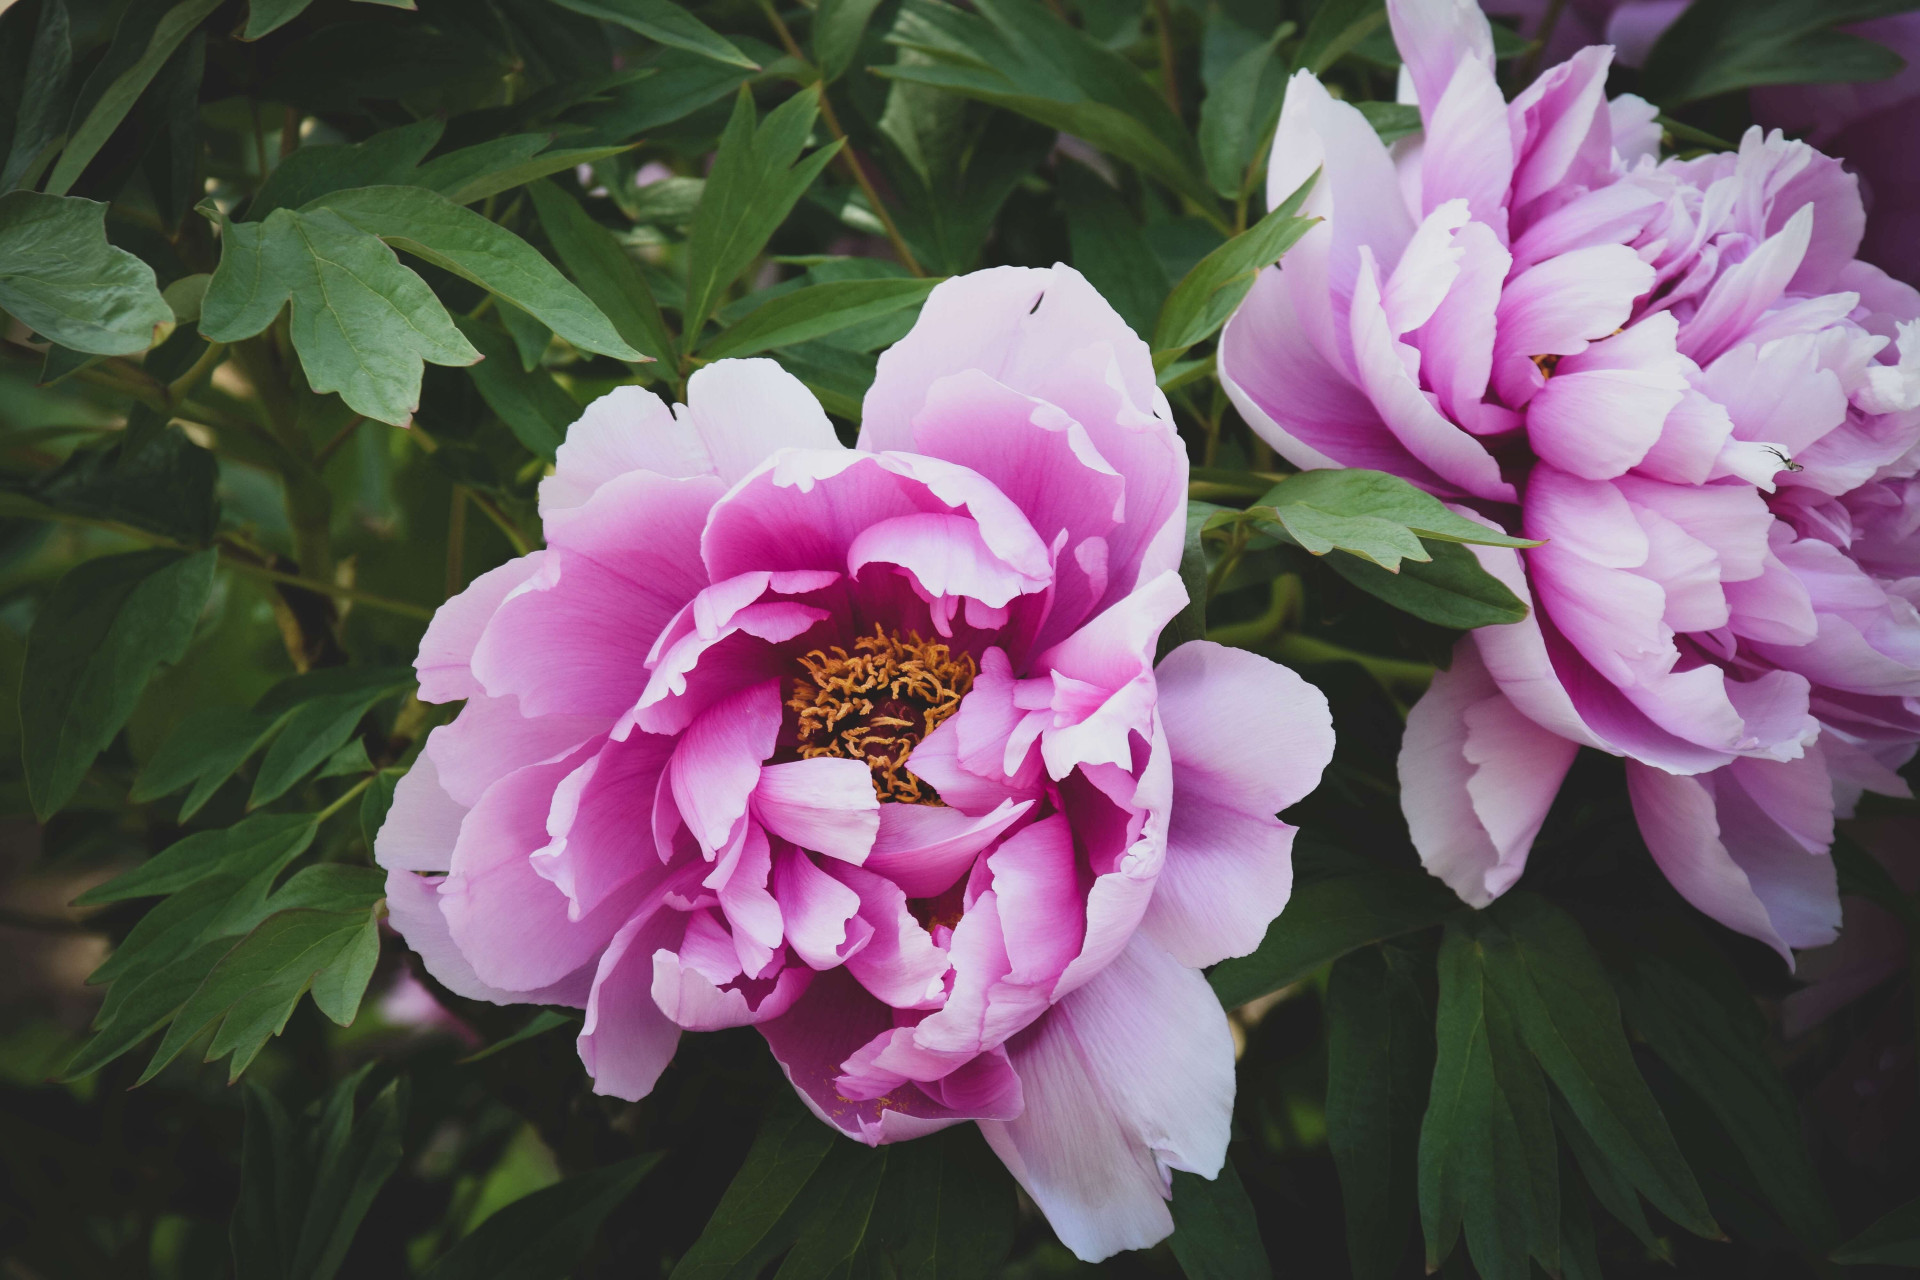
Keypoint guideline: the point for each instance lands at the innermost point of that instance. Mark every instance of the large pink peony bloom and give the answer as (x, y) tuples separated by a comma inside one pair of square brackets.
[(867, 748), (1678, 376)]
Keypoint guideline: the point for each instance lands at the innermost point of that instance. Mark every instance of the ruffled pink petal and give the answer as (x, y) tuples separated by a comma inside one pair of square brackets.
[(1383, 363), (1469, 150), (1036, 880), (626, 1042), (490, 739), (692, 1000), (512, 925), (1436, 37), (716, 764), (900, 964), (827, 805), (422, 823), (1111, 655), (1604, 408), (1740, 295), (1730, 860), (925, 848), (836, 1017), (746, 410), (1125, 1080), (819, 913), (628, 429), (1563, 129), (946, 556), (1476, 780), (414, 911), (937, 762), (1247, 738), (444, 663), (1558, 307), (600, 825)]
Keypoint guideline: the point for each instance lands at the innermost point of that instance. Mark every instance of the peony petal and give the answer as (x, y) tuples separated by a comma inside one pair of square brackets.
[(747, 410), (628, 429), (444, 663), (819, 913), (925, 849), (1126, 1079), (716, 764), (1247, 738), (601, 823), (414, 911), (422, 823), (1476, 780), (626, 1042), (490, 739), (826, 805)]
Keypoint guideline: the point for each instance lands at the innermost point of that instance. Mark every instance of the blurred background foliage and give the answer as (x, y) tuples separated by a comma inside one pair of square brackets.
[(574, 185)]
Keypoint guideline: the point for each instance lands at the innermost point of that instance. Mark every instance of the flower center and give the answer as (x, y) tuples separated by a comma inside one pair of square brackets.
[(1546, 364), (876, 704)]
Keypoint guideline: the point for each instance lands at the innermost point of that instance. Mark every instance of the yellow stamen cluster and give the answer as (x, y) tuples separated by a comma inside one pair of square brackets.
[(1546, 364), (876, 704)]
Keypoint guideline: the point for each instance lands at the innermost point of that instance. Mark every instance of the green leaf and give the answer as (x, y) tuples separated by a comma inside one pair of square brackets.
[(1721, 46), (1208, 294), (374, 804), (42, 113), (350, 761), (1337, 26), (150, 477), (311, 172), (263, 837), (1892, 1241), (529, 401), (947, 1209), (838, 26), (1380, 1057), (538, 1025), (1215, 1233), (107, 106), (839, 378), (757, 178), (303, 1195), (362, 323), (1391, 120), (1689, 1004), (815, 311), (1017, 55), (431, 227), (1240, 111), (501, 164), (1451, 589), (753, 1222), (165, 957), (249, 995), (1487, 1154), (60, 277), (530, 338), (1110, 247), (1372, 515), (108, 624), (265, 16), (1327, 919), (594, 258), (203, 751), (321, 726), (1570, 1019), (545, 1235), (667, 22)]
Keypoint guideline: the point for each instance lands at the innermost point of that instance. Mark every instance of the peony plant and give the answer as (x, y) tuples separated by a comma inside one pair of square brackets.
[(1674, 375)]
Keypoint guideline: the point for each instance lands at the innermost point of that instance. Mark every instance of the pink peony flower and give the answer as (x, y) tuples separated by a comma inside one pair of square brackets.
[(1674, 373), (867, 748)]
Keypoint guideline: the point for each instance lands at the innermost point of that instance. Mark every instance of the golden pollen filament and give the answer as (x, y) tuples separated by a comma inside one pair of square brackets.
[(1546, 364), (877, 702)]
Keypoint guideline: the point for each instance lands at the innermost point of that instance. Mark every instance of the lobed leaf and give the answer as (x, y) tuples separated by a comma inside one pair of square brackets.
[(60, 277), (107, 626)]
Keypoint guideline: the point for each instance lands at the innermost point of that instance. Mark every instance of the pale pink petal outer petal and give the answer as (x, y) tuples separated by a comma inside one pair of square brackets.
[(445, 661), (1476, 779), (422, 823), (1125, 1080), (1437, 36), (1247, 738), (747, 410), (626, 1042), (628, 429), (414, 911), (1733, 861)]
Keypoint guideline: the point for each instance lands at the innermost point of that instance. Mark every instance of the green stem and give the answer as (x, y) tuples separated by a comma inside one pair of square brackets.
[(345, 797)]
